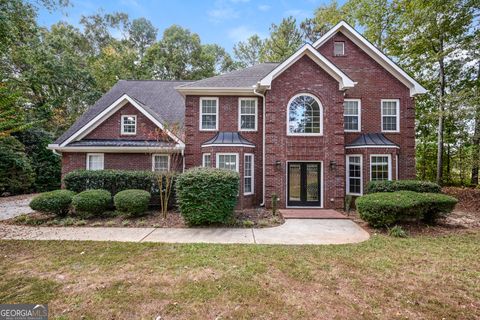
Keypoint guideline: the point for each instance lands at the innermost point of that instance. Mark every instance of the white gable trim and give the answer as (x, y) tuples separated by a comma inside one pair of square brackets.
[(344, 81), (105, 114), (374, 53)]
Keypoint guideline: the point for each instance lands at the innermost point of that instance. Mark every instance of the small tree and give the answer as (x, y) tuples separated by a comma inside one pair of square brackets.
[(166, 180)]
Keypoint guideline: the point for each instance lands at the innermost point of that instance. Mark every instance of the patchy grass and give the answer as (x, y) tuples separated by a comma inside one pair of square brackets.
[(387, 278)]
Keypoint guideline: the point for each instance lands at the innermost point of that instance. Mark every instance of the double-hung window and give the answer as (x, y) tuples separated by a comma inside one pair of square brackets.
[(354, 174), (94, 161), (390, 115), (161, 163), (227, 161), (380, 167), (129, 124), (248, 174), (206, 160), (209, 114), (339, 48), (247, 110), (352, 115)]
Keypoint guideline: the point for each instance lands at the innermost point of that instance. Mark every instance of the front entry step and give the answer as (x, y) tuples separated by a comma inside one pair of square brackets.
[(312, 214)]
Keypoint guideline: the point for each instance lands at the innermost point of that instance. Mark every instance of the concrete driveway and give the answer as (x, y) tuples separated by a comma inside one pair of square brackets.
[(15, 206), (293, 231)]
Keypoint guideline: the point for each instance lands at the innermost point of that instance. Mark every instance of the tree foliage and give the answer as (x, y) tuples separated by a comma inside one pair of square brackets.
[(285, 38)]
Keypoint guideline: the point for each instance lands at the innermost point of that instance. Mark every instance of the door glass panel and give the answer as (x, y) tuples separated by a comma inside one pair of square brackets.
[(294, 186), (312, 182)]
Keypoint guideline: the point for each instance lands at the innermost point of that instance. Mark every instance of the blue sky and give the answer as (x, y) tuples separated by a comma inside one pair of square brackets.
[(224, 22)]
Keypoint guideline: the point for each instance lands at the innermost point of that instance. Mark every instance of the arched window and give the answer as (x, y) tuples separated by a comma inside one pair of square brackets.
[(304, 115)]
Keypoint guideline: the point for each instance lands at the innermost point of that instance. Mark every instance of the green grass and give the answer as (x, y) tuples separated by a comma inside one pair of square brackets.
[(385, 278)]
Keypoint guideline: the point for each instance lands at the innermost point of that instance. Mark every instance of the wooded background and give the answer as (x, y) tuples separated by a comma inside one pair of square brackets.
[(51, 75)]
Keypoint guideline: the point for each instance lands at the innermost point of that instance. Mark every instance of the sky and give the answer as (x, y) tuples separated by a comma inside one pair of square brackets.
[(224, 22)]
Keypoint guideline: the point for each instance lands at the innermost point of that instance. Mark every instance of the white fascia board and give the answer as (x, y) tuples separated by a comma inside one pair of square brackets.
[(344, 81), (245, 91), (116, 149), (102, 116), (375, 53)]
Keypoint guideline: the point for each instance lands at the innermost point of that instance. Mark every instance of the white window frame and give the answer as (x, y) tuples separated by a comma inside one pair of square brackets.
[(397, 101), (123, 132), (87, 161), (240, 114), (343, 49), (217, 159), (288, 117), (252, 176), (203, 159), (347, 174), (359, 114), (163, 155), (216, 113), (389, 164)]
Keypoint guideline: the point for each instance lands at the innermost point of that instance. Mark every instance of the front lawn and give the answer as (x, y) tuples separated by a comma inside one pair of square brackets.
[(386, 278)]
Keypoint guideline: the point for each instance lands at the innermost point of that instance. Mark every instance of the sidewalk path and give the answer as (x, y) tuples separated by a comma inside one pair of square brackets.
[(293, 231)]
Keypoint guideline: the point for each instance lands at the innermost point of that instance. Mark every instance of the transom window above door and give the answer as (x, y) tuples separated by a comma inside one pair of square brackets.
[(304, 115)]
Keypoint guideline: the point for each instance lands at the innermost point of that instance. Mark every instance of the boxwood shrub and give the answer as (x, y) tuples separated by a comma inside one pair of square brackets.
[(207, 195), (92, 202), (132, 201), (402, 185), (57, 202), (385, 208)]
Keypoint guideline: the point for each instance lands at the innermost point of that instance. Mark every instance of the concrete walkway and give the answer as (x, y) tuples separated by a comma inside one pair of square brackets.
[(293, 231)]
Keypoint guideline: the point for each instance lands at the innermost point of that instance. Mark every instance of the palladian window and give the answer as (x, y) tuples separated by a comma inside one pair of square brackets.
[(304, 115)]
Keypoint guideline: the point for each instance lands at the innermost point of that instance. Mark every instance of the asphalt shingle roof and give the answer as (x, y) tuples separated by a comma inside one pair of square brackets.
[(244, 78), (371, 139), (159, 98)]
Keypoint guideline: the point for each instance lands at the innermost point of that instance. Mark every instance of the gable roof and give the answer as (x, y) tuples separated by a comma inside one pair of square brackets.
[(158, 98), (236, 81), (307, 49), (374, 53)]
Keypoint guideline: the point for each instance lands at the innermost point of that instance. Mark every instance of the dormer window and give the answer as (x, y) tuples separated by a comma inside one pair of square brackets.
[(339, 48), (129, 124)]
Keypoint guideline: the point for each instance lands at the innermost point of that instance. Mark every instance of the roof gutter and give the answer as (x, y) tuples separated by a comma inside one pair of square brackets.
[(111, 149), (263, 141)]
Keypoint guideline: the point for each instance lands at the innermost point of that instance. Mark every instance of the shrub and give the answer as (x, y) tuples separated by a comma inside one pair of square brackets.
[(115, 181), (402, 185), (132, 201), (16, 173), (207, 195), (92, 202), (397, 232), (57, 202), (385, 208)]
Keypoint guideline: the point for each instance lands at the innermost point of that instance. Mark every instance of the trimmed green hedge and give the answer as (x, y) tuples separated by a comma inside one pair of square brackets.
[(57, 202), (402, 185), (207, 195), (132, 201), (385, 208), (92, 202)]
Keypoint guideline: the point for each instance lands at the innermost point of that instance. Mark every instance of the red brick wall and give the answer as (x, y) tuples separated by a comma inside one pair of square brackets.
[(228, 121), (376, 83), (305, 76), (111, 127)]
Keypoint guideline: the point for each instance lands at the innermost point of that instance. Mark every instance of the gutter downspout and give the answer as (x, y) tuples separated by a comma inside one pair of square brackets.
[(263, 144)]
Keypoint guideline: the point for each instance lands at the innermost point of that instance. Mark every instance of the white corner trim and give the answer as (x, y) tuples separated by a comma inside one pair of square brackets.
[(344, 81), (373, 52), (102, 116)]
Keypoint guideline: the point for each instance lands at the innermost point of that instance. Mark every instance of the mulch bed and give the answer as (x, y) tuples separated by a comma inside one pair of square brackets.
[(256, 218)]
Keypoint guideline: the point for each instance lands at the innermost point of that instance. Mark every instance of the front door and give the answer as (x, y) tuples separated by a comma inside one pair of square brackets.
[(304, 184)]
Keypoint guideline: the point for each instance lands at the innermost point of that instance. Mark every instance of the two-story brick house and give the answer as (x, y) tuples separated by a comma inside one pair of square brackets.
[(311, 129)]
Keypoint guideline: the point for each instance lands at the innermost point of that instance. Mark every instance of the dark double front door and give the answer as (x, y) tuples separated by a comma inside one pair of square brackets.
[(304, 184)]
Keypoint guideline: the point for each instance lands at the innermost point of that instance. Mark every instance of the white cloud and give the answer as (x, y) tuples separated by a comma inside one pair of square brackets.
[(297, 13), (242, 33), (221, 14), (264, 7)]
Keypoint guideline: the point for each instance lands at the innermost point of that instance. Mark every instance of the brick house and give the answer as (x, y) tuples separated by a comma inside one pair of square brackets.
[(311, 129)]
